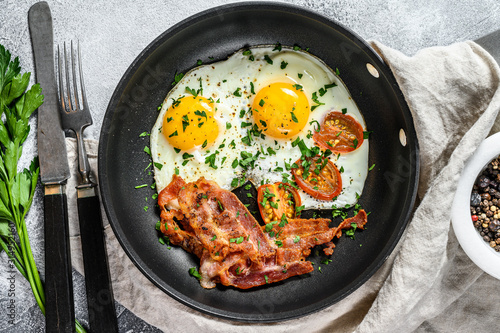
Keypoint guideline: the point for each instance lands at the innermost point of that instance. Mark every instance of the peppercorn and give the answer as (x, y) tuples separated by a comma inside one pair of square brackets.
[(485, 204), (475, 199)]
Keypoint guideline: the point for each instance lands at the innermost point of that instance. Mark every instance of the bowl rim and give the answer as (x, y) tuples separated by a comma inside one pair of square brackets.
[(469, 238)]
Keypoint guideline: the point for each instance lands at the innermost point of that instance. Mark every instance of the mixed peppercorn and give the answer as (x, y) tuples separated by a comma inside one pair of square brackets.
[(485, 204)]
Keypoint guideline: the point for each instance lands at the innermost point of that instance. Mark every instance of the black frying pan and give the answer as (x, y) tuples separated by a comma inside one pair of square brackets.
[(213, 35)]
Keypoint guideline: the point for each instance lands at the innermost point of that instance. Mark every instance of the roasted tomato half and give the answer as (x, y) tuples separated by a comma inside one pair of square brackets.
[(318, 177), (339, 132), (277, 199)]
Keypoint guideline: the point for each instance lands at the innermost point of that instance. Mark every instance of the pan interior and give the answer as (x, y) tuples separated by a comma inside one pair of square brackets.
[(211, 36)]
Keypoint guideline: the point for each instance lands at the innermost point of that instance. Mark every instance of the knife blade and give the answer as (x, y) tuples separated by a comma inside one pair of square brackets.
[(54, 172), (491, 43)]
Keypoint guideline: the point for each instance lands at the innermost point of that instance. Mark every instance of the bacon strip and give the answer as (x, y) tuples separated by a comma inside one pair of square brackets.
[(233, 248)]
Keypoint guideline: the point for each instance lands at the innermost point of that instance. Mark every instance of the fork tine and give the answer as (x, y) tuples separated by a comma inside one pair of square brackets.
[(68, 89), (75, 87), (82, 84), (61, 86)]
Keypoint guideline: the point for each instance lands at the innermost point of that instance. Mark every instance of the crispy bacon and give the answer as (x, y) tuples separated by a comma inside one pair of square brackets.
[(233, 248)]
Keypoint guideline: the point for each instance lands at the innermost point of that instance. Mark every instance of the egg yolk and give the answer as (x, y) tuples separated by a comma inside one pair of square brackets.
[(190, 122), (281, 110)]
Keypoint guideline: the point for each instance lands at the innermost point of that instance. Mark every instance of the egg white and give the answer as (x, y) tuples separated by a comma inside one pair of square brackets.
[(223, 82)]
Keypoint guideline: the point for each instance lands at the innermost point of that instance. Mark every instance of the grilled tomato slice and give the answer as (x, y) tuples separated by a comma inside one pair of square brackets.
[(318, 177), (339, 132), (277, 199)]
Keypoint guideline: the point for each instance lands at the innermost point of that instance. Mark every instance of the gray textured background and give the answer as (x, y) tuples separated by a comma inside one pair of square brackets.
[(112, 33)]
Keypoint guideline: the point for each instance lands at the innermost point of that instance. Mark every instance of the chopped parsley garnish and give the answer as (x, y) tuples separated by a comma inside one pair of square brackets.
[(249, 54), (351, 231), (210, 160), (283, 64), (186, 156), (194, 272), (268, 59), (141, 186), (177, 78), (214, 238), (371, 168), (252, 88), (344, 111), (261, 102), (315, 100), (185, 122), (294, 118), (242, 113), (300, 75), (296, 239), (316, 128), (199, 62), (269, 226), (299, 209), (247, 139), (366, 134), (193, 92), (297, 87), (175, 103), (277, 47), (235, 163), (173, 134), (201, 113), (323, 90), (355, 143), (144, 134), (158, 165), (237, 92), (238, 240), (147, 150)]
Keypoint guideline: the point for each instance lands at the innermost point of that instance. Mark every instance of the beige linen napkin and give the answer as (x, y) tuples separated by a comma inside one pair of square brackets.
[(428, 282)]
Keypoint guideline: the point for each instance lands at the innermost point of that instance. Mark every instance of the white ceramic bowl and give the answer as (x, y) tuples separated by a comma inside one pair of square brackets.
[(471, 241)]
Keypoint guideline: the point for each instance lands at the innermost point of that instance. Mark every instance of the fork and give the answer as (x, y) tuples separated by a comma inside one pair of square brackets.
[(75, 116)]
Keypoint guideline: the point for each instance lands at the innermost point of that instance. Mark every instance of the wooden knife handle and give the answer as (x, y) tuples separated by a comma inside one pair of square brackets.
[(59, 303), (101, 306)]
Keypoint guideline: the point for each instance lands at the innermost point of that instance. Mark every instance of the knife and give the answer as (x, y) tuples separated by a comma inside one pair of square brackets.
[(491, 43), (54, 172)]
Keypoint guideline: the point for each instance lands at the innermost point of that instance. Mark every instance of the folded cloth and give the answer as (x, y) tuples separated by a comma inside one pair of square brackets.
[(428, 283)]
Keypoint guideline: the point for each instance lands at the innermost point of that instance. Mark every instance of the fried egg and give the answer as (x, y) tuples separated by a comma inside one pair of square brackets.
[(240, 119)]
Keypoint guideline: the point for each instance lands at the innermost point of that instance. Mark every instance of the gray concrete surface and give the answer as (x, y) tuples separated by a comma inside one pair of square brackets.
[(112, 33)]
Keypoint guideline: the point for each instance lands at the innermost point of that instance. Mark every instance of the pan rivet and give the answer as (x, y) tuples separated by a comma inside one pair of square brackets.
[(372, 70), (402, 137)]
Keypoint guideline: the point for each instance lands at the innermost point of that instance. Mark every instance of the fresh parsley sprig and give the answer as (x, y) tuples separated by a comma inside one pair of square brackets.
[(17, 189)]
